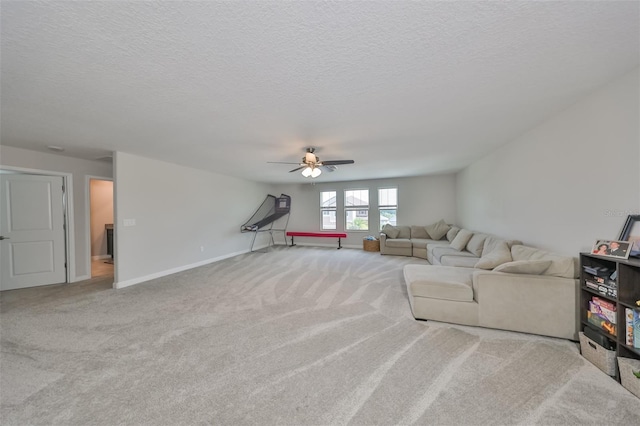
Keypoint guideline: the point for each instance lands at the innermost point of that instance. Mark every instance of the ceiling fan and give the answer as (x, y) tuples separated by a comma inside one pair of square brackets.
[(311, 164)]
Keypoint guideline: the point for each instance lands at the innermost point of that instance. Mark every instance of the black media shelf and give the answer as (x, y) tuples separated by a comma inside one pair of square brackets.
[(628, 293)]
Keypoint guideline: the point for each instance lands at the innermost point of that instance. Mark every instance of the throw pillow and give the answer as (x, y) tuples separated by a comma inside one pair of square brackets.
[(419, 232), (476, 243), (391, 231), (452, 233), (531, 267), (461, 240), (438, 229), (496, 257)]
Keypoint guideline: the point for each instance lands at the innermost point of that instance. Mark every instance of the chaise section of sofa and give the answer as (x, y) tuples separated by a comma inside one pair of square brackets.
[(534, 292)]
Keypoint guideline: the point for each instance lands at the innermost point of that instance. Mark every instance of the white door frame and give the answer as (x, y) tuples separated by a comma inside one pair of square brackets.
[(87, 217), (67, 178)]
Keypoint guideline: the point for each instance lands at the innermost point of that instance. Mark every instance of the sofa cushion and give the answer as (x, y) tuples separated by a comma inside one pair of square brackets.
[(451, 233), (432, 245), (439, 251), (492, 242), (398, 243), (438, 229), (459, 261), (405, 232), (420, 242), (531, 267), (439, 282), (461, 240), (512, 243), (561, 266), (440, 243), (419, 232), (391, 231), (476, 244), (494, 254)]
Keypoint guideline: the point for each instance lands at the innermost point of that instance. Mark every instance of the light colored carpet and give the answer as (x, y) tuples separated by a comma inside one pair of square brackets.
[(294, 336)]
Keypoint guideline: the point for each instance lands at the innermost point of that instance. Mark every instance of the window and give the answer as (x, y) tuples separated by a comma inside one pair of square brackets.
[(388, 205), (328, 209), (356, 209)]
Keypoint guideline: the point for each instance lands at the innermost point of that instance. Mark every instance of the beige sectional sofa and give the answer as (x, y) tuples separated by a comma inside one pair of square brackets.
[(481, 280)]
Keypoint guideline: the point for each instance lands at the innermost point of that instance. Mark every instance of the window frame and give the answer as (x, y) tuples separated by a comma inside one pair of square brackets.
[(357, 209), (333, 209), (382, 207)]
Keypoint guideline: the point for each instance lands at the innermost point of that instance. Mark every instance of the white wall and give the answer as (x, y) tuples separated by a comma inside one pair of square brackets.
[(421, 201), (26, 159), (564, 184), (101, 205), (177, 210)]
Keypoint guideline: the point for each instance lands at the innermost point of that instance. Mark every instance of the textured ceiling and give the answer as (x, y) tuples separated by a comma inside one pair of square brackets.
[(402, 88)]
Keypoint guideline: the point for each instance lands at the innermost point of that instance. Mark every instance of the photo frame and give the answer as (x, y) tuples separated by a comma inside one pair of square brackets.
[(612, 248), (631, 232)]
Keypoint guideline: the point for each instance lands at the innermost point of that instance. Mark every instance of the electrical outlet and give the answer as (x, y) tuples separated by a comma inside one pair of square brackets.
[(129, 222)]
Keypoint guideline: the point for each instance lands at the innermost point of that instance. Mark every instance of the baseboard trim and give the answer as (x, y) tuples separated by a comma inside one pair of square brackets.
[(80, 278), (133, 281)]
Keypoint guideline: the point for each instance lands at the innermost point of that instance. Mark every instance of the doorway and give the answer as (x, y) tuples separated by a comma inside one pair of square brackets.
[(101, 227)]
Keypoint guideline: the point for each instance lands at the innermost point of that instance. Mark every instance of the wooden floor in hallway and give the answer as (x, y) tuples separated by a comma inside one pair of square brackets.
[(100, 268)]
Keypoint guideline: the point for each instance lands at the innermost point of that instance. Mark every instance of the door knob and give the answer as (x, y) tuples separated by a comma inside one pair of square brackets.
[(4, 238)]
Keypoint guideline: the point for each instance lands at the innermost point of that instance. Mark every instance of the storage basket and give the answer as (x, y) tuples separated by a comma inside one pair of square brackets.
[(627, 378), (602, 358), (371, 245)]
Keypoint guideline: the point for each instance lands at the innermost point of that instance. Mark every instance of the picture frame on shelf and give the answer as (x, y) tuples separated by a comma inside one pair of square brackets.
[(631, 232), (612, 248)]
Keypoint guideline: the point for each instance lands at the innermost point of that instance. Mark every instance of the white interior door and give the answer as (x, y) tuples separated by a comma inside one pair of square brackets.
[(32, 249)]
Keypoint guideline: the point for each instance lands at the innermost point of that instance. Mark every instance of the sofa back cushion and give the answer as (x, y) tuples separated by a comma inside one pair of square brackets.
[(512, 243), (476, 243), (561, 266), (419, 232), (461, 240), (405, 232), (491, 243), (438, 229)]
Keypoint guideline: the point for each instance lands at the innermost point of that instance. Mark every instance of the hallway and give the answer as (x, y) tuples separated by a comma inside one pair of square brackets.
[(101, 269)]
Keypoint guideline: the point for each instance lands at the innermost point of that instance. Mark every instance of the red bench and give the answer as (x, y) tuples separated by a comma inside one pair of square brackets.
[(337, 235)]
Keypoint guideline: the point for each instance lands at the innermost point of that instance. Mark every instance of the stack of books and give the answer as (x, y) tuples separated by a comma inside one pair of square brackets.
[(601, 279), (602, 314), (632, 327)]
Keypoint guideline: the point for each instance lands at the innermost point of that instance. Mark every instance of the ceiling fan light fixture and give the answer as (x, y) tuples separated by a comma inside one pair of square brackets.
[(311, 164), (310, 157)]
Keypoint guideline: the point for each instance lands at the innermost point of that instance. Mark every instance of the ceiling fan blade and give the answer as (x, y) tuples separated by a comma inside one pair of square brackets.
[(281, 162), (299, 168), (329, 168), (337, 162)]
